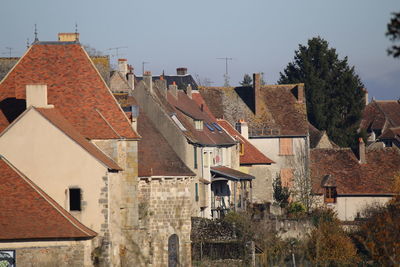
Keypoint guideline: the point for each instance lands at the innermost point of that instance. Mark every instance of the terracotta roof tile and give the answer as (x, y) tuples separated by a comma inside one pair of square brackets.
[(282, 113), (351, 177), (380, 115), (251, 154), (61, 123), (156, 156), (29, 213), (74, 87)]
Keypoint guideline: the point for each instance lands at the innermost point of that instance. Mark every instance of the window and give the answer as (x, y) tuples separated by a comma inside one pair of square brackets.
[(198, 124), (178, 123), (287, 177), (75, 199), (196, 188), (285, 146), (209, 127), (195, 156), (330, 195)]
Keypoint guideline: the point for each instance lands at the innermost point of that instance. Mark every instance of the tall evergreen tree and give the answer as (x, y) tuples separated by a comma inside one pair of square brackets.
[(334, 94), (393, 32)]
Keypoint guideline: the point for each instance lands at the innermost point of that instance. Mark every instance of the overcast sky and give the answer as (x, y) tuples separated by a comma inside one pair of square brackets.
[(260, 35)]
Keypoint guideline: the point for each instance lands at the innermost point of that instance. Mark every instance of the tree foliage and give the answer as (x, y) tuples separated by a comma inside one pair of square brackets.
[(334, 94), (393, 32), (247, 80), (281, 193)]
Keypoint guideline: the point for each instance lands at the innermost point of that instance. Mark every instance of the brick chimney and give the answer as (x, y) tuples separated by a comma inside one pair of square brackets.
[(181, 71), (257, 93), (123, 66), (300, 92), (36, 96), (361, 151), (173, 88), (148, 80), (189, 91), (68, 37)]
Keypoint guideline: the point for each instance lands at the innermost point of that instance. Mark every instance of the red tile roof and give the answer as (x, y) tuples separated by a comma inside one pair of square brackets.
[(351, 177), (29, 213), (380, 115), (230, 173), (74, 87), (281, 110), (251, 154), (52, 115), (156, 157), (187, 110)]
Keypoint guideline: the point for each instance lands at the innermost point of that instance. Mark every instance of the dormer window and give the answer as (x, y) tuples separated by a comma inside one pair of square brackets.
[(198, 124), (330, 194)]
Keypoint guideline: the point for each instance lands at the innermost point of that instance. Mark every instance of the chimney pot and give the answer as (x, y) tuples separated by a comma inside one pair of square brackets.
[(148, 80)]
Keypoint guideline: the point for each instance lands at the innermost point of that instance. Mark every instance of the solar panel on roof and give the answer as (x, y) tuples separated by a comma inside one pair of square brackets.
[(217, 126), (209, 127)]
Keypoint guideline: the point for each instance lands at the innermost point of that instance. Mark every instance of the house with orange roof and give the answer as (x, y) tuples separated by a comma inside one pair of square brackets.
[(63, 129), (349, 182), (275, 119), (199, 142), (381, 122), (253, 162)]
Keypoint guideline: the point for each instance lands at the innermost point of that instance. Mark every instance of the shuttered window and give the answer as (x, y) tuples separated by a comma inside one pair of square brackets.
[(285, 146)]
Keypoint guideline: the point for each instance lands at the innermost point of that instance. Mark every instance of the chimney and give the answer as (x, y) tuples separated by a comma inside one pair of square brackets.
[(189, 91), (174, 89), (257, 93), (131, 77), (161, 85), (244, 129), (148, 80), (181, 71), (300, 93), (123, 66), (365, 95), (361, 151), (36, 96), (68, 37)]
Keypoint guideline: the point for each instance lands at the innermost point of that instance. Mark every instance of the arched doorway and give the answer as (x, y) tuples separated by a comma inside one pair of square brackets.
[(173, 251)]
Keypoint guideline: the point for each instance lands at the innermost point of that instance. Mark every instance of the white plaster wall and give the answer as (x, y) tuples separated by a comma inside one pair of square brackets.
[(347, 207), (55, 162)]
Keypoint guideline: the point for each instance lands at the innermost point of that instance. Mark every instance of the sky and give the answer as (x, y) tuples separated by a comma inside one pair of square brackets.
[(259, 35)]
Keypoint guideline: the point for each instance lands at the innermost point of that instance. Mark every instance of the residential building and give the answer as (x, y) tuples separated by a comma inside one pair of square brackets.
[(381, 122), (197, 139), (276, 123), (62, 128), (349, 183)]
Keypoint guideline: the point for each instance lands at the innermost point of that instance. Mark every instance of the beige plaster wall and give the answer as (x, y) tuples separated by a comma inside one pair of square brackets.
[(55, 163), (262, 184), (348, 207)]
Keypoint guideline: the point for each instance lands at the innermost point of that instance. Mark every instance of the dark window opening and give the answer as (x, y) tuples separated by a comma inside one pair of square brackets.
[(196, 192), (330, 194), (75, 199), (195, 157)]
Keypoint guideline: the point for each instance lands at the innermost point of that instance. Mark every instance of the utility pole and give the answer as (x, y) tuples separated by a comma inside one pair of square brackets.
[(143, 63), (226, 76)]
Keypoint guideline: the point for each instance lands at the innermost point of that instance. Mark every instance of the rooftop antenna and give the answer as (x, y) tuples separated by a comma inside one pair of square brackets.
[(76, 32), (27, 43), (36, 38), (116, 50), (143, 63), (9, 50), (226, 76)]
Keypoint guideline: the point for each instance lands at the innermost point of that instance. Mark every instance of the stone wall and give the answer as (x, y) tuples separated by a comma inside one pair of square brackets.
[(46, 254), (164, 210)]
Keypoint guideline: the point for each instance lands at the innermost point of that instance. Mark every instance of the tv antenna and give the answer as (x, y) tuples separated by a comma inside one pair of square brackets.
[(144, 63), (226, 76), (36, 33), (116, 49), (9, 51)]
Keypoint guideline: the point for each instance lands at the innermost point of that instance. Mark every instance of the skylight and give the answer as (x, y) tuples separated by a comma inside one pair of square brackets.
[(217, 126), (180, 125), (209, 127)]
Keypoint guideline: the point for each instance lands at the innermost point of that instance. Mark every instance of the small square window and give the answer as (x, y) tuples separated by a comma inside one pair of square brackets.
[(75, 199)]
